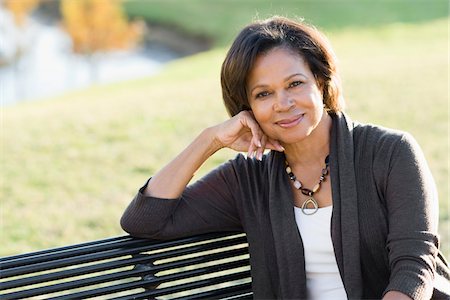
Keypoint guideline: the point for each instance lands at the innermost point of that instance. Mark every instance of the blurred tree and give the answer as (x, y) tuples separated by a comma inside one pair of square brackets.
[(15, 36), (14, 30), (20, 9), (98, 26)]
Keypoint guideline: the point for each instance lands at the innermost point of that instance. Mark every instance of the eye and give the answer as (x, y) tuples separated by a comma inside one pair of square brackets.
[(295, 83), (262, 95)]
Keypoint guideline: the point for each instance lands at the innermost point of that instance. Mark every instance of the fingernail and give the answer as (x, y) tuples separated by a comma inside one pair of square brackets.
[(282, 148), (259, 144), (259, 157)]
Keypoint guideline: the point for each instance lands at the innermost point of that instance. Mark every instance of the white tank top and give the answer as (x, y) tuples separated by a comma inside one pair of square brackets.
[(323, 281)]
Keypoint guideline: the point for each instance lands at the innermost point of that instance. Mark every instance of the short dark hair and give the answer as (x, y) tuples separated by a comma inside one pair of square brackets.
[(260, 37)]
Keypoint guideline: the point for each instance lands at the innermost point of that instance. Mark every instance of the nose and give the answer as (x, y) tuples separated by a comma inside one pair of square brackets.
[(283, 102)]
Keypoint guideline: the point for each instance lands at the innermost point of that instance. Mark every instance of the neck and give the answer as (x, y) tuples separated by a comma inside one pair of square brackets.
[(314, 148)]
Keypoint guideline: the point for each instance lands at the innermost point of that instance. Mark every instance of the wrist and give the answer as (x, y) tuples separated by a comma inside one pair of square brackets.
[(210, 136)]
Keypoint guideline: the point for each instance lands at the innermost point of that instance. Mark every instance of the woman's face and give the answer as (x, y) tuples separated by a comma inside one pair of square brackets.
[(284, 96)]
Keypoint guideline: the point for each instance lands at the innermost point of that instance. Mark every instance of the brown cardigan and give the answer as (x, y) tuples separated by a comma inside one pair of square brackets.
[(383, 224)]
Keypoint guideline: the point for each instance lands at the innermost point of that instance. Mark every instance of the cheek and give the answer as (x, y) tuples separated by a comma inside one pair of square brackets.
[(261, 111), (313, 100), (316, 95), (317, 102)]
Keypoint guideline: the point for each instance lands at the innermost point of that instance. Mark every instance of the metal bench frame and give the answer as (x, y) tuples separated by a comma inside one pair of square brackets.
[(209, 266)]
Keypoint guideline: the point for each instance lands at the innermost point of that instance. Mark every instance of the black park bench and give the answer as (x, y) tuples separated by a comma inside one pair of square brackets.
[(209, 266)]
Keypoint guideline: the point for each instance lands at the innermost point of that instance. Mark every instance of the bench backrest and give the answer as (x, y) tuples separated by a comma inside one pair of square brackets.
[(211, 266)]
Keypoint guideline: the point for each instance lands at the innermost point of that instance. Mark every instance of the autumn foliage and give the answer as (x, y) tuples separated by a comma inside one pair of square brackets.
[(20, 9), (98, 25)]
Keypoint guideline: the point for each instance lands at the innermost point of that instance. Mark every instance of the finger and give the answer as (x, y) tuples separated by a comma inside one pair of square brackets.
[(249, 121), (251, 150), (257, 145), (276, 144), (260, 150), (271, 146)]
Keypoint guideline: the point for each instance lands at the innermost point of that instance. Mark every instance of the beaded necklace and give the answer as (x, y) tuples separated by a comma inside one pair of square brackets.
[(299, 186)]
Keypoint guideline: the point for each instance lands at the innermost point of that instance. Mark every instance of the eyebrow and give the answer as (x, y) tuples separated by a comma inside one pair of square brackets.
[(286, 79)]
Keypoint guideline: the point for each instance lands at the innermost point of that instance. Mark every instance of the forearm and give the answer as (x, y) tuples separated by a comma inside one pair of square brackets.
[(166, 208), (170, 181)]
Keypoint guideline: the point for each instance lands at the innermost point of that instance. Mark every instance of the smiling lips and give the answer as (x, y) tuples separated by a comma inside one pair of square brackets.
[(290, 122)]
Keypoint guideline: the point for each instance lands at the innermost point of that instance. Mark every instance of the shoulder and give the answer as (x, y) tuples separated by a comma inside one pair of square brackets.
[(377, 133), (241, 176), (367, 135), (245, 171), (386, 146), (383, 139), (243, 165)]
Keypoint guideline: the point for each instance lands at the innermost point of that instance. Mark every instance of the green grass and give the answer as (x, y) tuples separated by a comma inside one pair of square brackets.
[(222, 19), (70, 165)]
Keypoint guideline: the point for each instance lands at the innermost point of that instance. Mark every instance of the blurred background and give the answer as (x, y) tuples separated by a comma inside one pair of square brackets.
[(96, 95)]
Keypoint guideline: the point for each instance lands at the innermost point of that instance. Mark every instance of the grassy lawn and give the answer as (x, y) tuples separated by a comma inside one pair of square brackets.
[(222, 19), (70, 165)]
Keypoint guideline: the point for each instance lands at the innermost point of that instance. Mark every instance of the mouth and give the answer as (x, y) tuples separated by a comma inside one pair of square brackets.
[(290, 122)]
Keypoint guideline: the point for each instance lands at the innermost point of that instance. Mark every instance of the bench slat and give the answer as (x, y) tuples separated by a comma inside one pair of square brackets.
[(232, 292), (239, 291), (6, 272), (123, 275), (72, 272), (137, 267), (19, 257), (115, 264), (194, 285)]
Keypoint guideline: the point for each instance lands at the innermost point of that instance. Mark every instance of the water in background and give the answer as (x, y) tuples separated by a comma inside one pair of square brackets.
[(49, 68)]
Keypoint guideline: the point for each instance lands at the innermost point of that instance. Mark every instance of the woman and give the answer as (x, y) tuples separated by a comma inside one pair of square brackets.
[(335, 210)]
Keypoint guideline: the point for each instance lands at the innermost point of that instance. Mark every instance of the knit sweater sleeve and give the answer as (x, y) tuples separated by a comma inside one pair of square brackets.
[(208, 205), (412, 202)]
